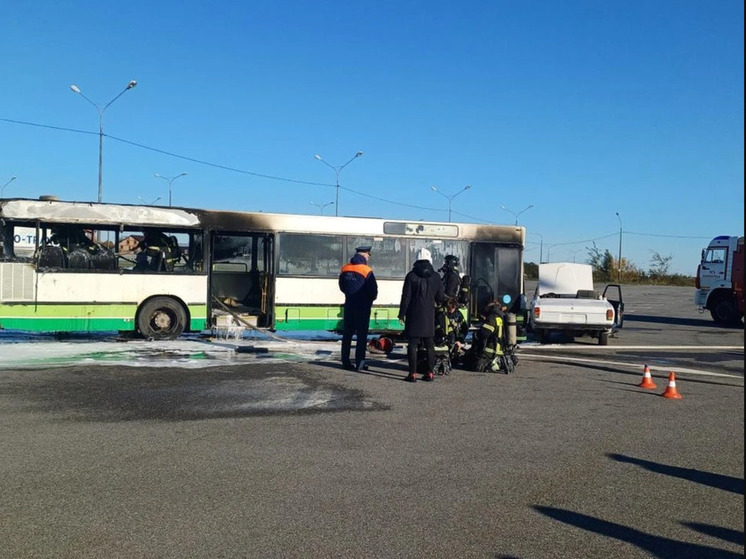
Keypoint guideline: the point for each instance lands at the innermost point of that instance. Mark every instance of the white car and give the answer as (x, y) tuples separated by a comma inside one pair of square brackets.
[(566, 302)]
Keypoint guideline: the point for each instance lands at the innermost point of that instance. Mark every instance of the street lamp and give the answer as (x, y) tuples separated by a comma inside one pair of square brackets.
[(450, 198), (322, 206), (152, 203), (620, 246), (6, 184), (170, 180), (101, 110), (517, 214), (336, 175)]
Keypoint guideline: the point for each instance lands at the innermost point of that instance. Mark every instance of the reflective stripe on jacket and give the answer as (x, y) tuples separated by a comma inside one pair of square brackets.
[(358, 283)]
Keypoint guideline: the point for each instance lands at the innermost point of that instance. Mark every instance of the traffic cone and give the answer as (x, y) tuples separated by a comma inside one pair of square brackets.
[(647, 379), (671, 391)]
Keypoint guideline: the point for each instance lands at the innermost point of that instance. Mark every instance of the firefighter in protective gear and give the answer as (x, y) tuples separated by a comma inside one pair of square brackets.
[(490, 340), (451, 276), (450, 336)]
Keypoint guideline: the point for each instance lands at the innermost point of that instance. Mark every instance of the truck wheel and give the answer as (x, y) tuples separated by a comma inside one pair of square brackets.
[(161, 318), (724, 312), (603, 338)]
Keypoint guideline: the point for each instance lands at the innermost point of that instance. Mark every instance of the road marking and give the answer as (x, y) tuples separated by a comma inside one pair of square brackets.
[(536, 345), (624, 364)]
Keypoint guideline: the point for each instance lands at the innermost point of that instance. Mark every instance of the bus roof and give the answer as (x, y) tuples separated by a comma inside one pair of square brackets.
[(90, 213)]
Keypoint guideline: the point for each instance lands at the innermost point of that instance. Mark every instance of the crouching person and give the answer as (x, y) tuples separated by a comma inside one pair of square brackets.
[(489, 350), (450, 336)]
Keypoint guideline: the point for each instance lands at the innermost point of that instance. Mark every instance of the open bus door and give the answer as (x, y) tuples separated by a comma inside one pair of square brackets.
[(496, 270), (268, 282), (241, 279)]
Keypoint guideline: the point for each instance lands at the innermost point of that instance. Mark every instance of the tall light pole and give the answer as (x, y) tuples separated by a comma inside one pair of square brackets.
[(450, 198), (322, 206), (101, 110), (620, 246), (6, 184), (541, 246), (169, 180), (519, 213), (336, 175)]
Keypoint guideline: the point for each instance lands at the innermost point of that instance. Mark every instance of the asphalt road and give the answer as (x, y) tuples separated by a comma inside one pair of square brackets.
[(566, 458)]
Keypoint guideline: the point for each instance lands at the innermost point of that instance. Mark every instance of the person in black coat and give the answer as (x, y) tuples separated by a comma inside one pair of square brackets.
[(358, 283), (422, 289)]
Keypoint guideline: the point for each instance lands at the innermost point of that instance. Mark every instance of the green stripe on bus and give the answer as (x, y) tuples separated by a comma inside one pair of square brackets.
[(82, 318), (330, 318)]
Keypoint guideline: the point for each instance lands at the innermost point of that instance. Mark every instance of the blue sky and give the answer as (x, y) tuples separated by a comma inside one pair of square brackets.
[(580, 108)]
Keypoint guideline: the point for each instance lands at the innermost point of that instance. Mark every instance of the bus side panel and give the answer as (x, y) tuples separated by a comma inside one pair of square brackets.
[(321, 307), (60, 301)]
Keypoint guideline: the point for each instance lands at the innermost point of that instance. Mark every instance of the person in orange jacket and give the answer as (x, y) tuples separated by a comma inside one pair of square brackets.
[(358, 283)]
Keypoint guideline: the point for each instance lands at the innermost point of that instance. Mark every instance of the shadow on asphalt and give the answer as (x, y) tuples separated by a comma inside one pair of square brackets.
[(733, 536), (726, 483), (656, 546), (698, 322)]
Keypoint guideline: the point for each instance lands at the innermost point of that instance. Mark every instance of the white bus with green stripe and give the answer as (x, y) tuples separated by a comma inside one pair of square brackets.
[(270, 271)]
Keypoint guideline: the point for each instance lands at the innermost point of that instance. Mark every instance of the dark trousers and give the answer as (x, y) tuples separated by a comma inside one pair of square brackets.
[(412, 345), (356, 322)]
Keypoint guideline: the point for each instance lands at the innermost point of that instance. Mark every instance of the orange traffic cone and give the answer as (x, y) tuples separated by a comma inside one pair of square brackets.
[(647, 379), (671, 391)]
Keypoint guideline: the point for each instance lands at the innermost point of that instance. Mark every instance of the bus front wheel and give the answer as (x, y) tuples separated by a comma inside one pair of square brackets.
[(161, 318)]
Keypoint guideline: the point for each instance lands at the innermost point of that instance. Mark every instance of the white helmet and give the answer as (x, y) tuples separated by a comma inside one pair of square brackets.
[(424, 254)]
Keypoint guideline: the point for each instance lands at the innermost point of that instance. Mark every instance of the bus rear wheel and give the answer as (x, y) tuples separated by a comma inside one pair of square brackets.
[(161, 318)]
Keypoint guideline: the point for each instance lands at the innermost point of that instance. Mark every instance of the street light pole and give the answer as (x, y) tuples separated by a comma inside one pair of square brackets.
[(519, 213), (101, 110), (169, 180), (620, 246), (6, 184), (449, 198), (322, 206), (541, 246), (336, 175)]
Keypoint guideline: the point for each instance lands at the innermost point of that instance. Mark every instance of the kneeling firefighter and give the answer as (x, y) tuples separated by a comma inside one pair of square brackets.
[(495, 342)]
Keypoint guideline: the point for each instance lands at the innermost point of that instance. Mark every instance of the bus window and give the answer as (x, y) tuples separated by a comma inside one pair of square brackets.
[(152, 249), (310, 255), (389, 255), (6, 241), (439, 250)]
